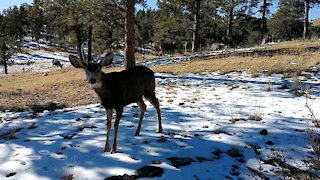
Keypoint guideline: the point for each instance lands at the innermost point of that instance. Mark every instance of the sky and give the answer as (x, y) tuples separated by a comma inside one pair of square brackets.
[(314, 12)]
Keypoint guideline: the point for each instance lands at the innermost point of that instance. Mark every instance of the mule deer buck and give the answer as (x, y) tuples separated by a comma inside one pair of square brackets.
[(117, 89)]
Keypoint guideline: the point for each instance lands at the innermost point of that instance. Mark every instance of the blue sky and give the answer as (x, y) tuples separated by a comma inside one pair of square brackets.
[(314, 12)]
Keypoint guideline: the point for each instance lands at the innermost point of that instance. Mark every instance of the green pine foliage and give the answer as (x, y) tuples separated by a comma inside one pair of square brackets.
[(170, 25)]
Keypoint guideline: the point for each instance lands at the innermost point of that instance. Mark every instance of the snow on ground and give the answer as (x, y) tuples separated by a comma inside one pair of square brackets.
[(37, 61), (207, 133), (41, 61)]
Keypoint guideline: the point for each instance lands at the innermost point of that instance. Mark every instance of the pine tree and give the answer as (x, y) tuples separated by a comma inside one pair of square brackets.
[(307, 5), (264, 11), (9, 41), (287, 22), (36, 19)]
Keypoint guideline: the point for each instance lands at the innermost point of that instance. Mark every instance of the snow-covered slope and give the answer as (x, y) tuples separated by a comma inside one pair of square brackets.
[(208, 133)]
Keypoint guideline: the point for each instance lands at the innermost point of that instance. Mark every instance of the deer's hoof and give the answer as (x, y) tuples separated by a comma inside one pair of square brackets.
[(136, 134), (106, 149), (113, 151)]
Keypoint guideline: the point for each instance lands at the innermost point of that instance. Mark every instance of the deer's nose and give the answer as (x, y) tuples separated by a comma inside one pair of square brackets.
[(92, 81)]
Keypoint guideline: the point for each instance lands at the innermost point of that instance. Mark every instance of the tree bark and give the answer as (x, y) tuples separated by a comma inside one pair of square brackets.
[(214, 24), (229, 31), (5, 65), (129, 34), (196, 26), (306, 19), (4, 58), (263, 20)]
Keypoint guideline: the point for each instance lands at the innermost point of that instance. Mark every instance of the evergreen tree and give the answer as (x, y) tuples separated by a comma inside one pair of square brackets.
[(287, 22), (9, 41), (14, 24), (36, 19), (264, 11), (307, 5), (235, 10), (173, 26), (145, 26), (213, 26)]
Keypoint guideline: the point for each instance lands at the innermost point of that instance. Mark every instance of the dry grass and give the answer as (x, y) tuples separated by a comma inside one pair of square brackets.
[(316, 22), (275, 64), (297, 44), (146, 57), (68, 87)]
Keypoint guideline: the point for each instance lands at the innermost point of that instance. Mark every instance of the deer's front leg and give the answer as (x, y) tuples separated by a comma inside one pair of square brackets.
[(109, 121), (116, 125), (143, 108)]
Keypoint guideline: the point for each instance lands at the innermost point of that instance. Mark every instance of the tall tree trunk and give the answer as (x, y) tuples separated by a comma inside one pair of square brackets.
[(5, 65), (196, 26), (306, 19), (214, 24), (130, 35), (4, 57), (263, 20), (229, 31)]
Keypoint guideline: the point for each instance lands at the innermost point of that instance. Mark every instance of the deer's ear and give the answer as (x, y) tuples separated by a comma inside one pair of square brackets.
[(75, 61), (106, 60)]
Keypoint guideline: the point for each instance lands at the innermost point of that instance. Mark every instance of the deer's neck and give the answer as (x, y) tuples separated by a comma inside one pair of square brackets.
[(104, 91), (98, 84)]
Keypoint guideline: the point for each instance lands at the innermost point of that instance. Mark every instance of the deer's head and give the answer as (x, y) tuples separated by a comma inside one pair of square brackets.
[(85, 61)]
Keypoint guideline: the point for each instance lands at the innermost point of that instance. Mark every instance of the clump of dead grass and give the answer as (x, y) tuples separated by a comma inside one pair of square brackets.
[(254, 65)]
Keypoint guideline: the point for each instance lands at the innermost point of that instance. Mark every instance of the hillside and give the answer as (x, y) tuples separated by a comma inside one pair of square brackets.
[(316, 22), (42, 84), (227, 117)]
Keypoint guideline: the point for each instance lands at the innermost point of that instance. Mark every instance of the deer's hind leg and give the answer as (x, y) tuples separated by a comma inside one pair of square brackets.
[(155, 102), (143, 108)]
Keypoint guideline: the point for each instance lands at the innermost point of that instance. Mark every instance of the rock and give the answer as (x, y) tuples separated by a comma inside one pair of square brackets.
[(162, 139), (255, 118), (157, 161), (177, 162), (68, 177), (149, 171), (270, 143), (217, 153), (146, 142), (284, 86), (263, 132), (196, 135), (10, 174), (201, 159), (234, 152), (123, 177)]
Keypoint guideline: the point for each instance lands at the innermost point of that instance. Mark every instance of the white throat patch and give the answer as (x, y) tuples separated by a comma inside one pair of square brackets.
[(96, 85)]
